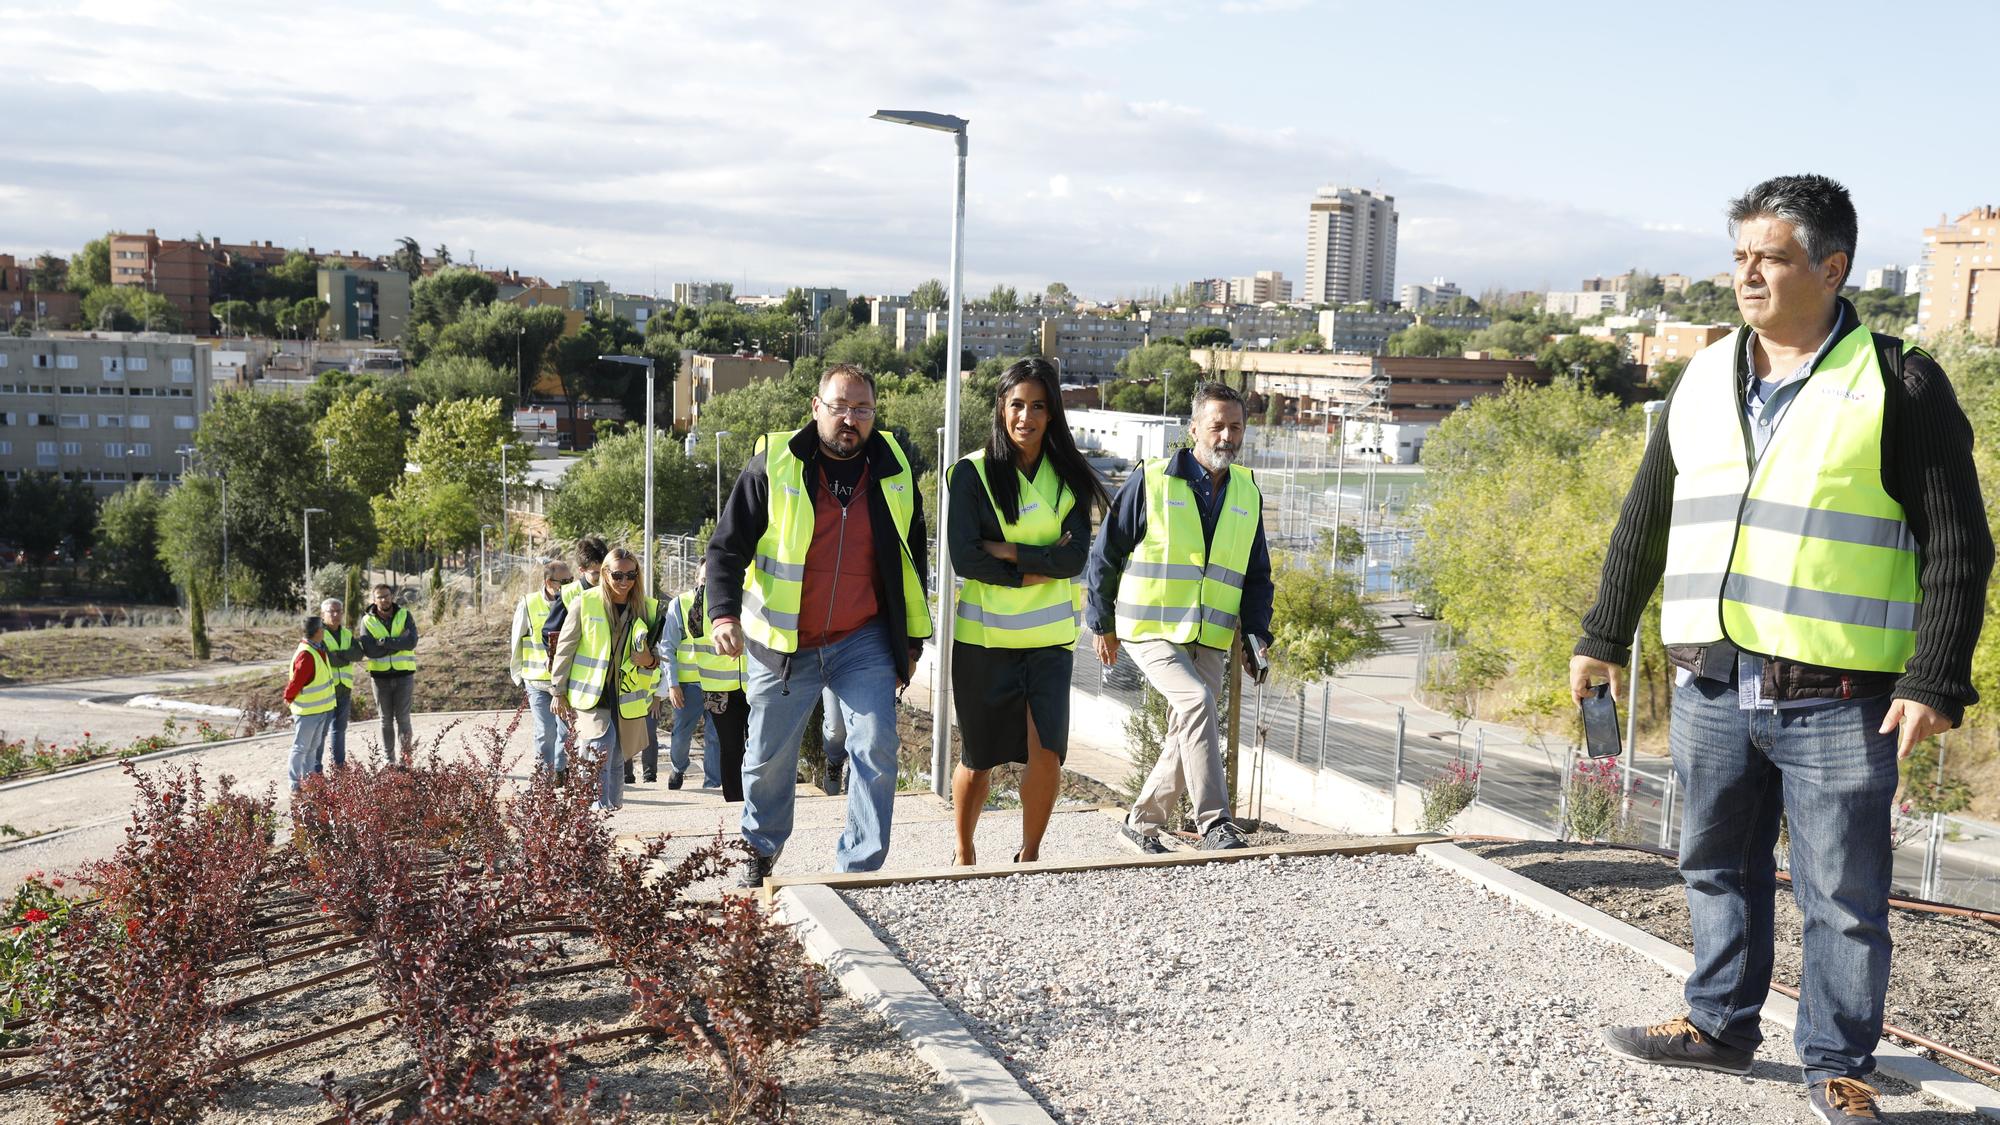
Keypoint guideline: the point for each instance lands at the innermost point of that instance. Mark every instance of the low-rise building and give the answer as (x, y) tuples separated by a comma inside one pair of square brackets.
[(700, 294), (1418, 296), (44, 308), (1361, 332), (1121, 436), (365, 304), (1676, 340), (1087, 348), (1585, 303), (1891, 278), (1962, 283), (1265, 286), (107, 408), (703, 376)]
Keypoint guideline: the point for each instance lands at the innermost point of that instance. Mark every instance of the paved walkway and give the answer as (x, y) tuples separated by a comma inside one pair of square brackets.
[(61, 712)]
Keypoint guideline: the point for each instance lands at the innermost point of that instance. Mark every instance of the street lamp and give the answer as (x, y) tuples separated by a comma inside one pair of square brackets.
[(941, 700), (719, 435), (646, 587), (308, 515), (1163, 409), (520, 368), (483, 529), (503, 495), (328, 443)]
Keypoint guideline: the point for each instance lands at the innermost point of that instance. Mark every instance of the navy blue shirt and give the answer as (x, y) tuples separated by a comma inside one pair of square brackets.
[(1125, 527)]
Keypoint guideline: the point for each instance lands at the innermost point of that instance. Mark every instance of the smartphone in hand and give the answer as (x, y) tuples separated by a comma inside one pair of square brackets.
[(1601, 738)]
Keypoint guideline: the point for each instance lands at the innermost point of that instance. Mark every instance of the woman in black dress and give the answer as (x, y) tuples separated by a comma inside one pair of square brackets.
[(1019, 532)]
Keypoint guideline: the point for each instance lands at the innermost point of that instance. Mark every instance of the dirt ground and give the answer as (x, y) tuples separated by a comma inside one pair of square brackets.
[(36, 656), (853, 1069), (1942, 983)]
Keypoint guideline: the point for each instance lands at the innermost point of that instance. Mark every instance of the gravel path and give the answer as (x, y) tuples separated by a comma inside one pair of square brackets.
[(1377, 989)]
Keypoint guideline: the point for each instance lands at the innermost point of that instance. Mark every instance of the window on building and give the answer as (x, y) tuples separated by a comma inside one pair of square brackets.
[(74, 421), (142, 449), (45, 360), (114, 450), (140, 421), (72, 449), (113, 365), (183, 421), (110, 421), (136, 363), (6, 447), (183, 364), (66, 362)]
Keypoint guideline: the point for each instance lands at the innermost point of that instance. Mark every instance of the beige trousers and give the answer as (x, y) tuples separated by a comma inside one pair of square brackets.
[(1190, 676)]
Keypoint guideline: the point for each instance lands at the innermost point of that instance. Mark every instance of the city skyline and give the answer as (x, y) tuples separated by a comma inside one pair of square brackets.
[(558, 144)]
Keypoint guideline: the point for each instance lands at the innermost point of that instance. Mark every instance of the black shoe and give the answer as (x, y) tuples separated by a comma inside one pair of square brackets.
[(1842, 1101), (1223, 836), (1676, 1042), (629, 779), (752, 870), (1137, 841), (675, 778), (562, 779), (830, 781), (652, 777)]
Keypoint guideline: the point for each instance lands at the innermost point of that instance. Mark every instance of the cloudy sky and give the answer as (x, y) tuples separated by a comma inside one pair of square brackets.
[(1116, 146)]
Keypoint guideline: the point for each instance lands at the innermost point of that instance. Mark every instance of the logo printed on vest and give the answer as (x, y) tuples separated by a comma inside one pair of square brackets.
[(1239, 511), (790, 491), (1843, 392), (1176, 503), (1026, 508)]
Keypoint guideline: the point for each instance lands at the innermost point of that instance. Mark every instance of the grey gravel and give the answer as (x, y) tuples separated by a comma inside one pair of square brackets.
[(1373, 989)]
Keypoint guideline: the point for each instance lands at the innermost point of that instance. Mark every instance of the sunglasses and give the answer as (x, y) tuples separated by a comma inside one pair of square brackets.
[(623, 575)]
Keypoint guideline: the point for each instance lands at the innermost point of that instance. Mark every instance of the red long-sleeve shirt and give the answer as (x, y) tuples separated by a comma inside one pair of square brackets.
[(302, 674)]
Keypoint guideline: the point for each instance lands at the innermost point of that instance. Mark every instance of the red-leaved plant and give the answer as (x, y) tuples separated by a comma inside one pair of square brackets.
[(518, 1083)]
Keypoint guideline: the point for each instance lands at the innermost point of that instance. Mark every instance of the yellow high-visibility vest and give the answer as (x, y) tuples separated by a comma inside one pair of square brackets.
[(1045, 614), (340, 640), (317, 696), (398, 660), (528, 649), (590, 668), (775, 583), (684, 653), (1177, 586), (1803, 556)]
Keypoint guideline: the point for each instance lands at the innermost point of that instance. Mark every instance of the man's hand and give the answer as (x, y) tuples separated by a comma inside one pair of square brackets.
[(728, 636), (1914, 722), (645, 659), (565, 712), (1035, 579), (1001, 549), (677, 697), (1584, 669), (1106, 645)]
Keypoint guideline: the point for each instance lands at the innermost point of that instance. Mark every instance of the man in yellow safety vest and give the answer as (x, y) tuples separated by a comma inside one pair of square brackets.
[(309, 695), (528, 664)]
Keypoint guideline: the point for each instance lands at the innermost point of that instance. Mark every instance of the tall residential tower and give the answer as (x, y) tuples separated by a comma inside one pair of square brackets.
[(1350, 247)]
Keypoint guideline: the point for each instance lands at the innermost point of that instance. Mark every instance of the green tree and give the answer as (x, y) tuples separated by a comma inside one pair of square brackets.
[(1598, 361), (189, 534), (603, 493), (1509, 339), (748, 413), (1425, 340), (447, 378), (197, 624), (1665, 374), (49, 273), (1003, 299), (1144, 365), (459, 441), (507, 336), (438, 300), (128, 543), (872, 350), (1059, 294), (441, 518), (367, 455), (302, 317), (239, 318), (1319, 621), (91, 268), (43, 511), (295, 278), (1303, 342), (124, 308), (1208, 337), (408, 257), (928, 296)]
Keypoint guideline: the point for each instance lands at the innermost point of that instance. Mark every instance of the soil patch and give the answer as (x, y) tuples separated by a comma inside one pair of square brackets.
[(1941, 980), (35, 656)]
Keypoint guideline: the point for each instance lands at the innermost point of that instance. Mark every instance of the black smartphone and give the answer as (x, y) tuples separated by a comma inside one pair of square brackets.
[(1600, 723)]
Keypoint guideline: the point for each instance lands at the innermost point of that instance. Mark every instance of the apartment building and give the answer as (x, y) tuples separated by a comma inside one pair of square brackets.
[(107, 408), (1585, 303), (21, 299), (1962, 276), (702, 376), (1885, 277), (1087, 348), (1361, 333), (364, 304), (1417, 296), (1266, 286), (1350, 247), (699, 294)]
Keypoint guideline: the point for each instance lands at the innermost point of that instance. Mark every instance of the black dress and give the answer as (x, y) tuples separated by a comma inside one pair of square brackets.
[(994, 689)]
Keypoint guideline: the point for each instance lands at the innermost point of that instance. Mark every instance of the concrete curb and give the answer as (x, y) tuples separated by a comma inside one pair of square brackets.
[(836, 937), (45, 837), (1890, 1059)]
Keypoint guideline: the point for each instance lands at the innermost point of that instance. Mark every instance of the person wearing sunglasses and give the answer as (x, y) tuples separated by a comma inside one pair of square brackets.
[(605, 671), (816, 570)]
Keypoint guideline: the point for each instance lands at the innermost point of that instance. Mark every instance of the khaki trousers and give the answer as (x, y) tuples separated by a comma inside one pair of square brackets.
[(1190, 676)]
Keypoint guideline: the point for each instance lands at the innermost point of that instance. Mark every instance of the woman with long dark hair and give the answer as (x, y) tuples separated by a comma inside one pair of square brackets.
[(1018, 534)]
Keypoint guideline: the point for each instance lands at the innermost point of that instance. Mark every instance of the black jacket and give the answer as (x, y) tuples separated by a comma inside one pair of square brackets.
[(1926, 466), (748, 512)]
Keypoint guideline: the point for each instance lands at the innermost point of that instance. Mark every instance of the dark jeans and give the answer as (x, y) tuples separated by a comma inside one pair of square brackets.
[(343, 703), (732, 730), (392, 700), (1834, 777)]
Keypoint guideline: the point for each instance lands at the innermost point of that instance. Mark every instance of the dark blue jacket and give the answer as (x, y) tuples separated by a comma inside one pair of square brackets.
[(1125, 527)]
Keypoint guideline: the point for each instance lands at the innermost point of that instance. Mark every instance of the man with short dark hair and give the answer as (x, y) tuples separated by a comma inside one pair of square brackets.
[(388, 638), (1179, 568), (309, 695), (1812, 505), (816, 569), (528, 665)]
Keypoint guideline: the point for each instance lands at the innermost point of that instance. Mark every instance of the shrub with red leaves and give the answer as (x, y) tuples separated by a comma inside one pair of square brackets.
[(520, 1082)]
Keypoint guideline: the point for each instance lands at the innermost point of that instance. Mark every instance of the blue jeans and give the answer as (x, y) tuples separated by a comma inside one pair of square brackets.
[(1834, 777), (680, 753), (861, 672), (832, 731), (550, 731), (343, 702), (308, 741), (611, 776)]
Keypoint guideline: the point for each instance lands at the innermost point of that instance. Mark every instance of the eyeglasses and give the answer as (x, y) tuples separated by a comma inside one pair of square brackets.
[(858, 413), (623, 575)]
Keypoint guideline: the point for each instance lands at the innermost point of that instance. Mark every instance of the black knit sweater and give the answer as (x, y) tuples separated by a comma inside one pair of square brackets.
[(1926, 466)]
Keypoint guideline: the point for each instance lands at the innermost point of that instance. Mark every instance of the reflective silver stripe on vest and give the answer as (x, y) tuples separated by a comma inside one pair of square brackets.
[(1706, 509), (634, 696), (1840, 527), (1217, 617), (776, 619), (1219, 573), (1047, 615), (1821, 605), (582, 661), (1184, 571), (1173, 615), (1693, 587), (790, 572), (732, 676)]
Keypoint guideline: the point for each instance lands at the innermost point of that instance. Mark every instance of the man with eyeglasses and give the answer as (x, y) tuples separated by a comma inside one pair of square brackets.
[(816, 570), (605, 671)]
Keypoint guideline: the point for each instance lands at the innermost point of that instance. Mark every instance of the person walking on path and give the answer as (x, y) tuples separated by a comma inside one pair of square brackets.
[(819, 553), (388, 638), (1179, 568), (1812, 506), (716, 692), (1019, 533), (528, 666), (341, 652), (683, 635), (605, 671), (310, 695)]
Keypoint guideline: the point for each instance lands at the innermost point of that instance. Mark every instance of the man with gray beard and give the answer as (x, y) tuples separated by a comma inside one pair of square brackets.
[(1178, 569)]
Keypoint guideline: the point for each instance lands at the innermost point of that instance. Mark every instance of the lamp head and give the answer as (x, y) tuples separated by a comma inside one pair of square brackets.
[(922, 119)]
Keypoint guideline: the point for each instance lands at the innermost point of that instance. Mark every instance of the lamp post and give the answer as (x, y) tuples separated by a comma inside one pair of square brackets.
[(1163, 408), (308, 536), (481, 588), (719, 435), (520, 368), (503, 494), (941, 700), (646, 583)]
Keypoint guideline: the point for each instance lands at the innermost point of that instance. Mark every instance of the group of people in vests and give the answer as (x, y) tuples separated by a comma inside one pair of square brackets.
[(320, 690)]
